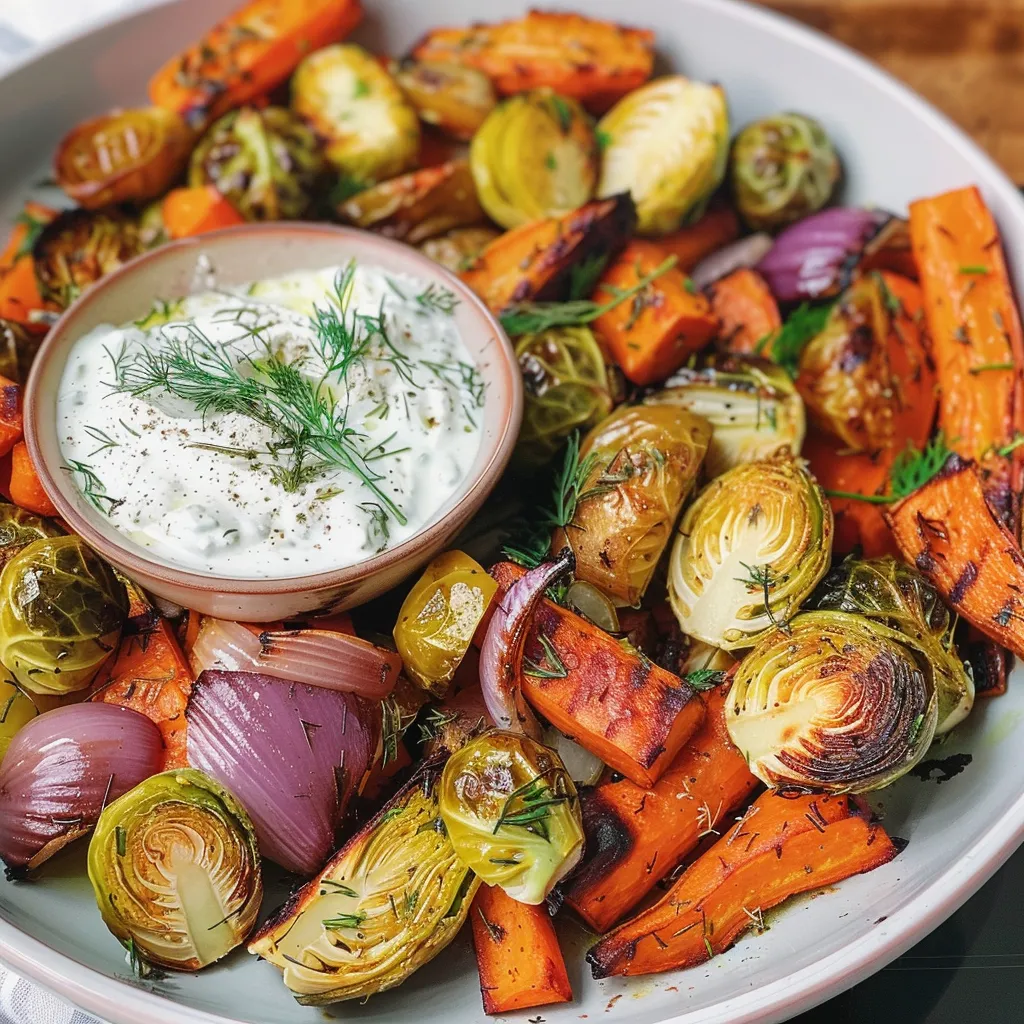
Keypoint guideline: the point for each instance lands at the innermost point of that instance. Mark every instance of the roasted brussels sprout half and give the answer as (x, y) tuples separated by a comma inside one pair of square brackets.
[(19, 528), (370, 129), (16, 710), (834, 702), (61, 612), (18, 347), (78, 247), (512, 814), (452, 97), (667, 144), (891, 592), (418, 205), (535, 156), (639, 466), (266, 162), (439, 617), (569, 386), (783, 168), (751, 404), (749, 551), (176, 870), (459, 249), (386, 904)]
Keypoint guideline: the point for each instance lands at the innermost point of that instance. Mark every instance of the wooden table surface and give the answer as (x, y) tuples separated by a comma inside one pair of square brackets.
[(965, 56)]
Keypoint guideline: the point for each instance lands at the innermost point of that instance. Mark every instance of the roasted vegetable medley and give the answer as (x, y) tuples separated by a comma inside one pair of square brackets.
[(759, 546)]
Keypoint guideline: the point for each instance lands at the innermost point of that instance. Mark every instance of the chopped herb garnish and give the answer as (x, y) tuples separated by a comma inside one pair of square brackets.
[(704, 678), (529, 807), (556, 667), (984, 367), (343, 921), (583, 277), (803, 324), (562, 111), (438, 299), (121, 840), (975, 268), (912, 469)]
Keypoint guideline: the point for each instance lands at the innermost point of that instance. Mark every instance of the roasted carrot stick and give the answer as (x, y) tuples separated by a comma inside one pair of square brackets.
[(26, 489), (32, 219), (19, 292), (517, 954), (747, 312), (10, 415), (652, 335), (249, 53), (636, 836), (194, 211), (718, 227), (596, 62), (782, 846), (948, 531), (972, 318), (632, 714), (535, 261)]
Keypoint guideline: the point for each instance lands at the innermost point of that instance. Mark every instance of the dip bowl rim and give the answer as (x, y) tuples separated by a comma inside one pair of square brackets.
[(504, 399)]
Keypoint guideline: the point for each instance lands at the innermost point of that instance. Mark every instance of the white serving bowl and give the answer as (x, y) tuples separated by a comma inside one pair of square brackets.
[(895, 148)]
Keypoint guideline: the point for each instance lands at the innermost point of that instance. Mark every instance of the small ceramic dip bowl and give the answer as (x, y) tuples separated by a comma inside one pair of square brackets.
[(228, 259)]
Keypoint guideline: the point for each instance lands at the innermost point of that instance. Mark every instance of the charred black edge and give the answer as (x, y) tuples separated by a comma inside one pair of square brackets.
[(609, 841)]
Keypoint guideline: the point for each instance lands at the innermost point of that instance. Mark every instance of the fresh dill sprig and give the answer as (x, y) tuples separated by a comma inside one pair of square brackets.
[(461, 375), (103, 438), (583, 277), (378, 529), (438, 299), (93, 487), (912, 469), (765, 579), (803, 324), (534, 317)]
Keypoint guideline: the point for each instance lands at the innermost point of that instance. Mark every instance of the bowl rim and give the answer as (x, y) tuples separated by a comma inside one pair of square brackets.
[(123, 1003), (113, 545)]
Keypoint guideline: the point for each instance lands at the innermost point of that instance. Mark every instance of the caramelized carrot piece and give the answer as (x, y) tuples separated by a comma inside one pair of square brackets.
[(517, 954), (972, 318), (636, 836), (781, 847), (718, 227), (26, 488), (10, 415), (948, 531), (535, 261), (651, 336), (746, 310), (194, 211), (631, 713), (32, 219), (248, 54), (595, 62)]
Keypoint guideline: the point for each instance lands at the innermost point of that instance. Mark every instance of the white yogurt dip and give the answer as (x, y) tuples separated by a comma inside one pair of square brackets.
[(302, 424)]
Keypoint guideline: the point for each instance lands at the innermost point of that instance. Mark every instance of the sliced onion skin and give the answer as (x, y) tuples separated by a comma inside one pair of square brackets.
[(501, 654), (292, 754), (813, 258), (742, 254), (317, 657), (62, 769)]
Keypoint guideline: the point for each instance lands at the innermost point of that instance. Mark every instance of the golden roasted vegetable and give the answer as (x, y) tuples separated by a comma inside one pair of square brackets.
[(568, 385), (418, 205), (16, 710), (19, 344), (125, 156), (751, 404), (535, 156), (386, 904), (595, 62), (639, 466), (834, 702), (439, 617), (370, 128), (265, 162), (61, 613), (176, 870), (668, 145), (78, 247), (512, 814), (447, 95), (749, 551), (19, 528), (459, 249)]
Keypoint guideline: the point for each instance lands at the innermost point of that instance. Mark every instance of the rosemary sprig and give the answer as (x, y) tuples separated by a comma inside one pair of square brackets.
[(392, 728), (529, 807), (343, 921), (534, 317), (704, 678), (557, 668)]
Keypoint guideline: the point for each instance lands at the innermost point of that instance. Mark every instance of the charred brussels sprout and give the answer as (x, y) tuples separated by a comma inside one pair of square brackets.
[(667, 144), (638, 467), (891, 592), (749, 551), (751, 404), (176, 870), (370, 129), (512, 814), (458, 250), (439, 617), (19, 528), (783, 168), (452, 97), (16, 710), (568, 386), (61, 612), (834, 702), (535, 156), (78, 247), (386, 904), (266, 162)]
